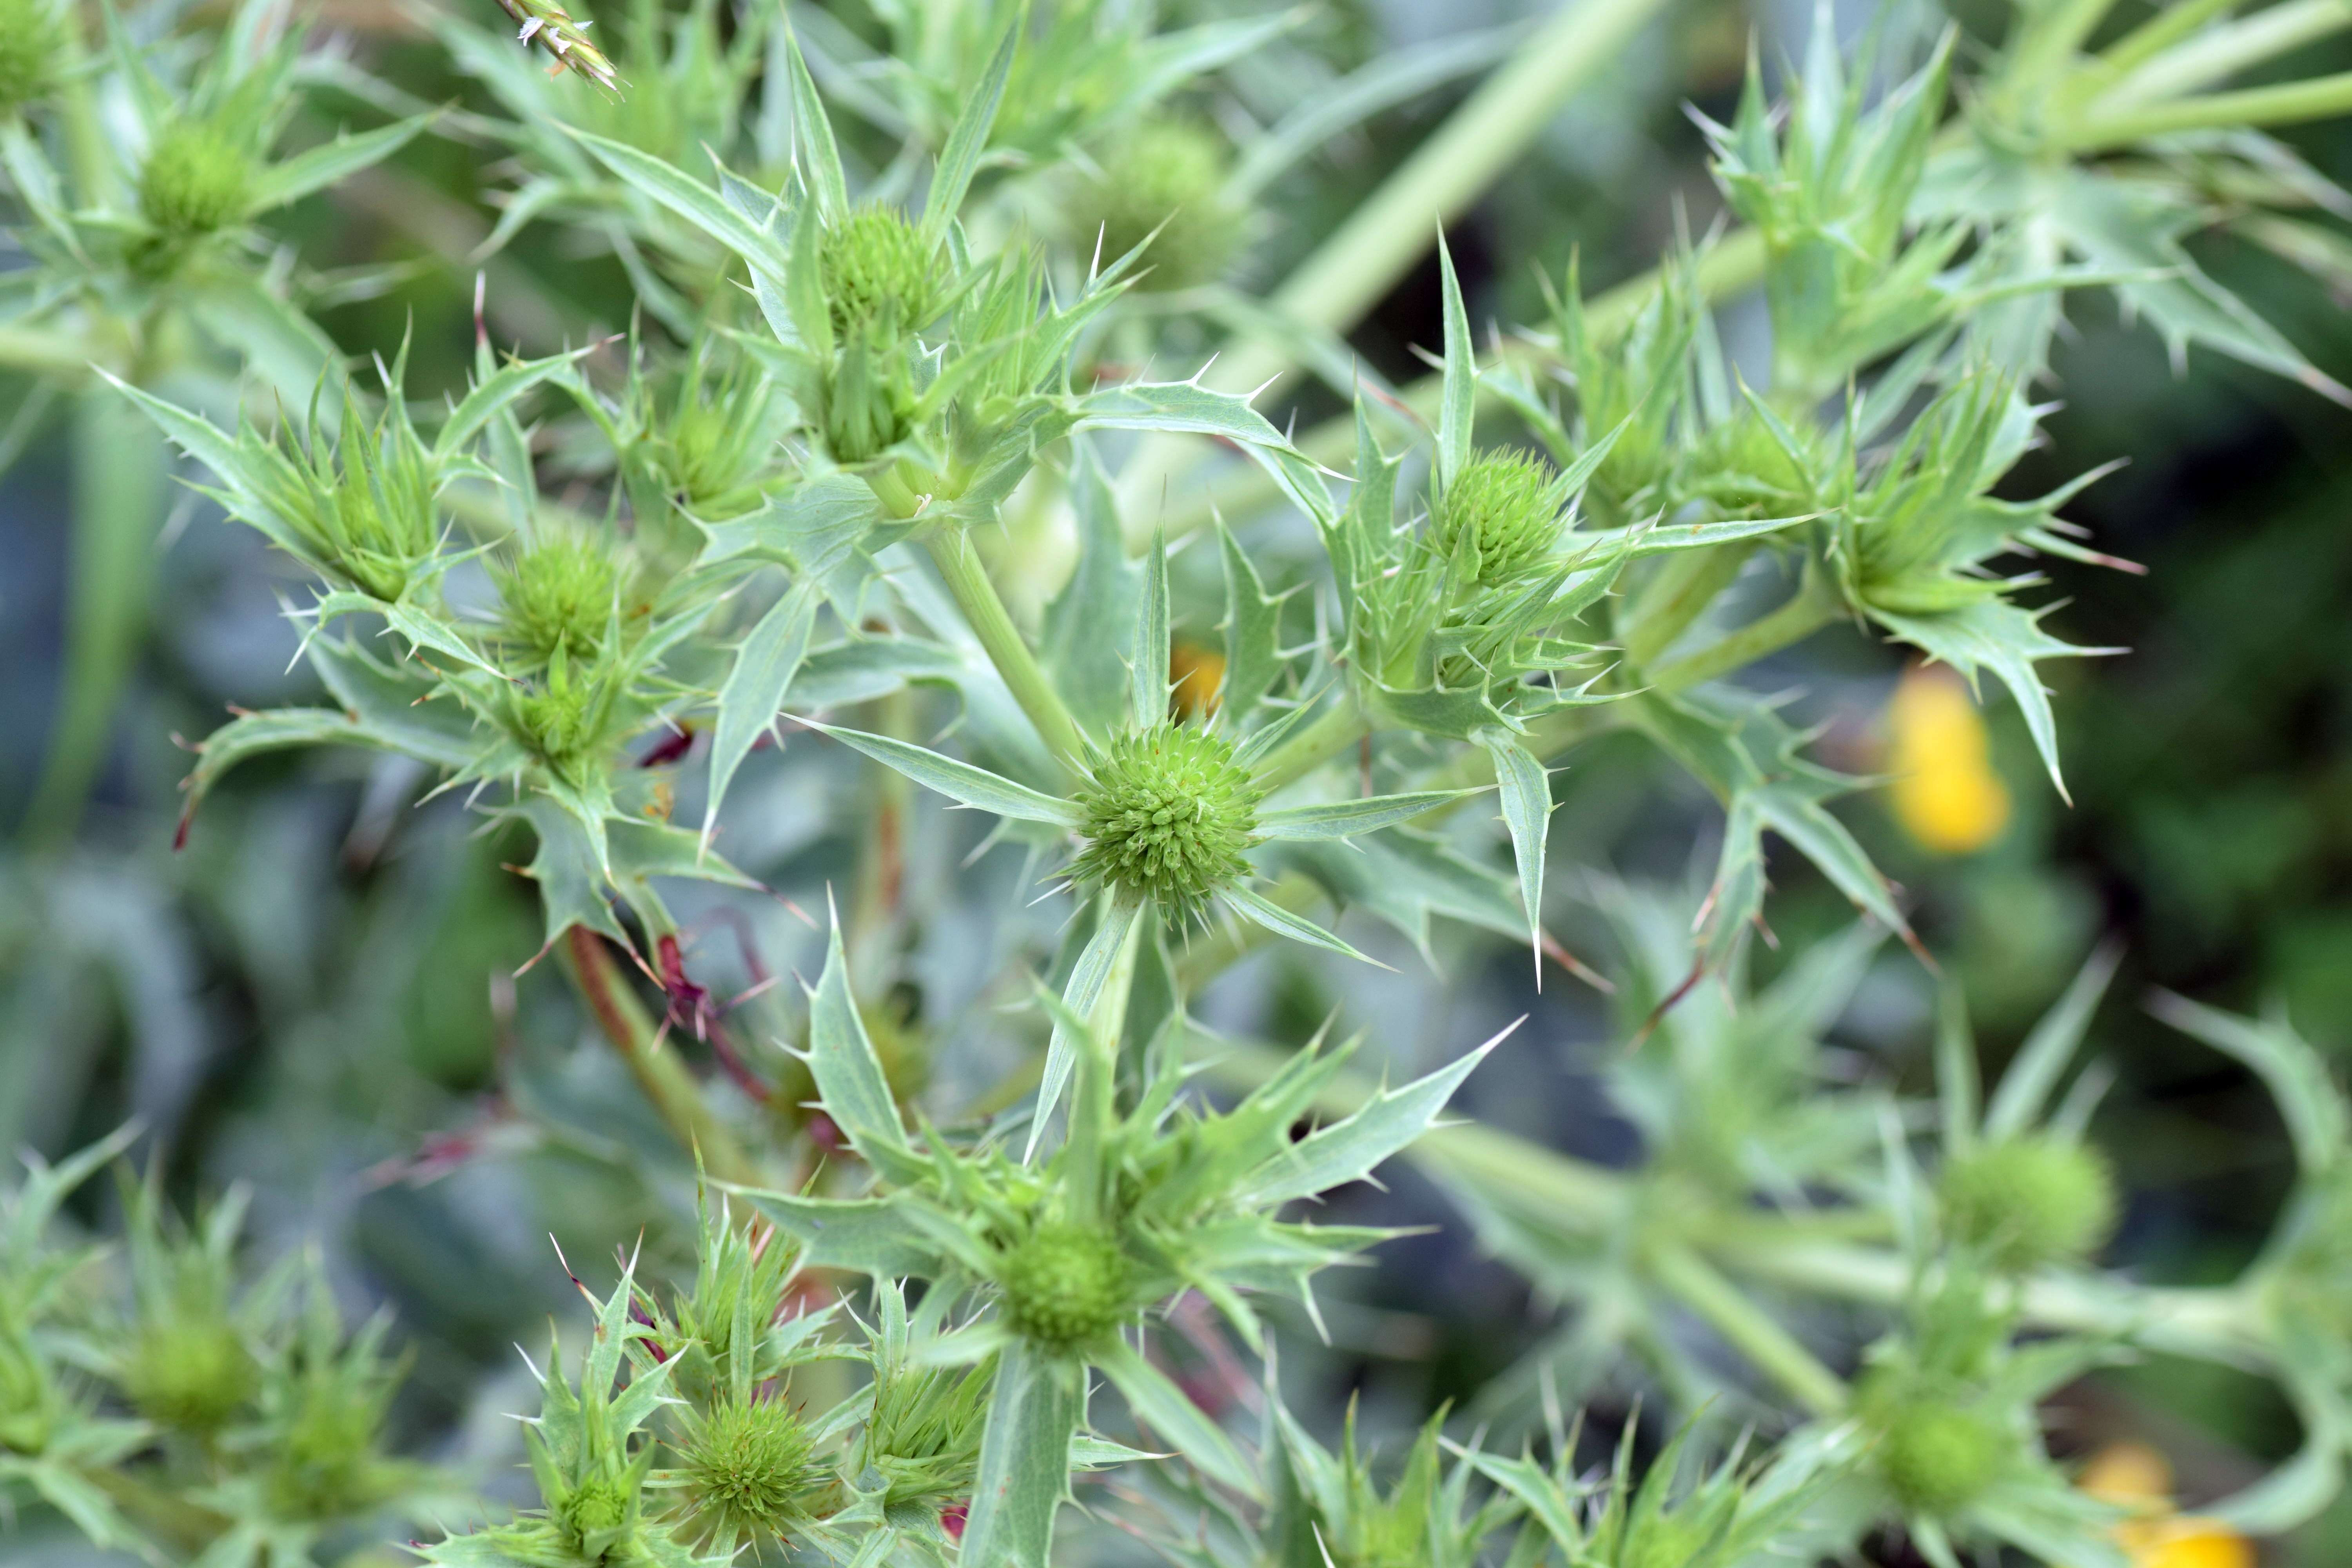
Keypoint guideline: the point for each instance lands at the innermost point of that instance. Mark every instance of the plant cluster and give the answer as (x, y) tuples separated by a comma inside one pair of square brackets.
[(863, 472)]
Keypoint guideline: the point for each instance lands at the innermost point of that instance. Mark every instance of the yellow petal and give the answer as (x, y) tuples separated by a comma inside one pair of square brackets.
[(1197, 676), (2195, 1543), (2127, 1473)]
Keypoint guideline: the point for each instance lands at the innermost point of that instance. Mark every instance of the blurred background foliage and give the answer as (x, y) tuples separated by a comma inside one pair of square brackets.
[(319, 995)]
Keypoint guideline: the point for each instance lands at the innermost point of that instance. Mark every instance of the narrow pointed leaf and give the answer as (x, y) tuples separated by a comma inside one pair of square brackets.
[(1347, 817), (2033, 1073), (1169, 1413), (975, 787), (754, 690), (691, 199), (1079, 998), (1148, 675), (323, 165), (1349, 1150), (849, 1077), (960, 159), (1457, 412), (1024, 1459), (1259, 910), (814, 152), (1526, 791)]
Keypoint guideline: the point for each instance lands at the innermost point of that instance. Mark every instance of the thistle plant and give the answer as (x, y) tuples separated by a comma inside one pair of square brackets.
[(846, 510)]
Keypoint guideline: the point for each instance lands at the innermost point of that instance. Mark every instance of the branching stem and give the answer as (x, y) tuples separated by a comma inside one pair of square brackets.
[(661, 1078), (968, 580)]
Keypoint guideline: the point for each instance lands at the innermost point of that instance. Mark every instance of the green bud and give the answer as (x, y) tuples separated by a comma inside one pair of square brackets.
[(28, 1400), (1507, 506), (561, 717), (869, 402), (195, 181), (1936, 1456), (1168, 815), (878, 275), (2030, 1201), (190, 1374), (325, 1457), (559, 597), (747, 1468), (1665, 1541), (31, 36), (1065, 1285), (1168, 171), (599, 1505)]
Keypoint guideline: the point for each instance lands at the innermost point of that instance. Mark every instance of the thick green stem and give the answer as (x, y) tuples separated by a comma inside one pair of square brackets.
[(2287, 103), (1748, 1328), (1676, 593), (992, 623), (661, 1078), (2216, 55), (1811, 609), (1338, 727)]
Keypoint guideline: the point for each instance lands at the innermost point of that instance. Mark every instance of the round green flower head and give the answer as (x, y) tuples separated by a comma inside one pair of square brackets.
[(747, 1467), (195, 181), (559, 596), (30, 36), (323, 1465), (598, 1504), (2027, 1202), (1505, 504), (1064, 1285), (876, 266), (190, 1374), (1936, 1456), (1166, 171), (1167, 816)]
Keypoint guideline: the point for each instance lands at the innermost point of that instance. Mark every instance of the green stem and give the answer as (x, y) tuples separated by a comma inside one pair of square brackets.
[(661, 1078), (1364, 257), (1094, 1108), (2049, 47), (1748, 1328), (40, 352), (1806, 613), (120, 466), (975, 595), (2220, 53), (2155, 36), (1338, 727), (2287, 103), (1683, 585)]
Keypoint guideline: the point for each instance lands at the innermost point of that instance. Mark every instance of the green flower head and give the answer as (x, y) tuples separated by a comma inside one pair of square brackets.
[(597, 1506), (1167, 171), (1934, 1454), (30, 38), (1167, 816), (195, 182), (559, 597), (2030, 1201), (1064, 1285), (878, 274), (189, 1372), (747, 1468), (1507, 506)]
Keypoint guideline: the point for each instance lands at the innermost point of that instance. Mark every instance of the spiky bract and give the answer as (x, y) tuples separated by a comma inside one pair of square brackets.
[(2030, 1201), (559, 597), (1064, 1285), (1506, 507), (1168, 816)]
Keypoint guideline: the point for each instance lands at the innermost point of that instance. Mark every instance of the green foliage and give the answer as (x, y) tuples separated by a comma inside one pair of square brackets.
[(1160, 185), (196, 181), (1166, 817), (32, 39), (2029, 1202)]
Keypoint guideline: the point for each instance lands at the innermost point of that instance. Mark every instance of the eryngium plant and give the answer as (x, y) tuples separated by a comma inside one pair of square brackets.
[(861, 480)]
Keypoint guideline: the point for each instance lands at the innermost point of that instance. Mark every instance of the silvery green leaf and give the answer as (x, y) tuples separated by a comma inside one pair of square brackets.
[(814, 154), (1345, 818), (1458, 410), (864, 667), (1253, 634), (1038, 1404), (274, 729), (1644, 539), (1183, 407), (864, 1236), (1148, 666), (754, 691), (691, 199), (236, 464), (960, 159), (849, 1078), (975, 787), (1163, 1409), (2033, 1073), (1526, 792), (1995, 635), (1405, 877), (1087, 637), (2296, 1076), (1348, 1150), (323, 165), (569, 872), (495, 393), (1080, 995), (1260, 910)]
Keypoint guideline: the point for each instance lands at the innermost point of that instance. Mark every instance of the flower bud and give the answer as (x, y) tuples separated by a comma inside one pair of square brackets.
[(1065, 1285), (878, 275), (1168, 815), (1167, 171), (559, 597), (31, 37), (195, 182), (192, 1374), (1934, 1454), (28, 1400), (747, 1467), (1506, 506), (2030, 1201), (597, 1507)]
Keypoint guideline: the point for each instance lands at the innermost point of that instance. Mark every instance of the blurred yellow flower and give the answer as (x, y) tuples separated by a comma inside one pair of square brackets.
[(1945, 794), (1195, 674), (2135, 1475)]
